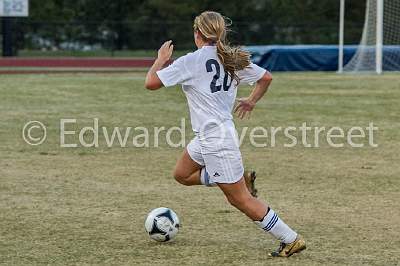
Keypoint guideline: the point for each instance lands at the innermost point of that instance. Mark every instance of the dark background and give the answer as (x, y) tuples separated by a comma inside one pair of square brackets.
[(132, 24)]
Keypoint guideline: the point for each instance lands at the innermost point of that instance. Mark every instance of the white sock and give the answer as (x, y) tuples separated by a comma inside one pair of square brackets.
[(272, 224), (205, 178)]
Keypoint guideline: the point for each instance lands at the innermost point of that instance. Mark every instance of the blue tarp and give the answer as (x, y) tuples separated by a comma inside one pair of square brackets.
[(313, 57), (299, 57)]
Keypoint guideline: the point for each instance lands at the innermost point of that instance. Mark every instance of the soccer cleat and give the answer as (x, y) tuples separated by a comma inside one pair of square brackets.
[(249, 178), (287, 250)]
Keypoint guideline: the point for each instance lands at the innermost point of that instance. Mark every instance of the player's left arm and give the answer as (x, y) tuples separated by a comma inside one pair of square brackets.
[(246, 105), (153, 82)]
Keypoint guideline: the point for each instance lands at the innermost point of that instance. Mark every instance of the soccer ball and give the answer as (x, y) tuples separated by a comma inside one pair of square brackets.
[(162, 224)]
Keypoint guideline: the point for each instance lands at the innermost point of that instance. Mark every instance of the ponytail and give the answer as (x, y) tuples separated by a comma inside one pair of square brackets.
[(232, 58)]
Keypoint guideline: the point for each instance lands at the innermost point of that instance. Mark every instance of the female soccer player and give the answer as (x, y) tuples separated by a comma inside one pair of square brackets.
[(209, 78)]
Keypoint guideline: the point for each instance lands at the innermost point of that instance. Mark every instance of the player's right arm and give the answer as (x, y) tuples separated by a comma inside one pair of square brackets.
[(153, 82)]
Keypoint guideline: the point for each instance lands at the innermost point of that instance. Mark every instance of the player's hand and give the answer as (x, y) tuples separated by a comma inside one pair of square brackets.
[(244, 107), (165, 52)]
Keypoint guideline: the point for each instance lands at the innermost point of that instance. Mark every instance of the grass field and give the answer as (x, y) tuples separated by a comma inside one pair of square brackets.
[(87, 205)]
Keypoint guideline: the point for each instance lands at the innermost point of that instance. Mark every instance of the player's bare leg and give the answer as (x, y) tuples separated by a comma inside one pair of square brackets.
[(187, 171), (190, 173), (238, 195)]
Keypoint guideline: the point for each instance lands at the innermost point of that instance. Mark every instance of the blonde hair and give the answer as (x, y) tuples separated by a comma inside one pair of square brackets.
[(213, 28)]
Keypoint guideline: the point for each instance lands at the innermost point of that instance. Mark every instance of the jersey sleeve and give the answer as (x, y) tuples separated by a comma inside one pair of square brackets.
[(177, 73), (251, 74)]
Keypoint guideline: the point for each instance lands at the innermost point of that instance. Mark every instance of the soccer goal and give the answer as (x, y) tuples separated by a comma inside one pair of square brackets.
[(379, 48)]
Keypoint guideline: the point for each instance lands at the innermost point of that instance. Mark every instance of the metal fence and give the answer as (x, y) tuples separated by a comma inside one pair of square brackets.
[(127, 35)]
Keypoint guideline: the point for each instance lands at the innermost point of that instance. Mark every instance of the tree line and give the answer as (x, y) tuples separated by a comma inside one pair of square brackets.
[(135, 24)]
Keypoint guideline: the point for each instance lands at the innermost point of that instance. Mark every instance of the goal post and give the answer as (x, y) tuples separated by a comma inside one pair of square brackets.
[(379, 35), (379, 48)]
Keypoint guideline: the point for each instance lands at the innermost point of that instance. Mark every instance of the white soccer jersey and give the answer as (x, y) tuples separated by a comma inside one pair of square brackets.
[(210, 91)]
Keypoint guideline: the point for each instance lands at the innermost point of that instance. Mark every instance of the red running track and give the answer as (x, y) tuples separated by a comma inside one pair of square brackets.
[(76, 62)]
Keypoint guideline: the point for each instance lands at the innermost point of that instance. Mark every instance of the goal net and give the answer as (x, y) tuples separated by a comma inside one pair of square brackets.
[(379, 49)]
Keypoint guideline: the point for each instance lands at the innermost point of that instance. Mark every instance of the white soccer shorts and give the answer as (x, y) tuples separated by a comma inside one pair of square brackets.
[(219, 154)]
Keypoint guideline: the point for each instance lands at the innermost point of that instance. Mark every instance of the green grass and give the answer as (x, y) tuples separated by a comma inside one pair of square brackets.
[(87, 205)]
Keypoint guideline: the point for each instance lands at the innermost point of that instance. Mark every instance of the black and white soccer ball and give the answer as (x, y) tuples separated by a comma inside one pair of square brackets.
[(162, 224)]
